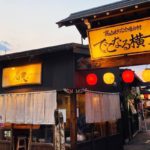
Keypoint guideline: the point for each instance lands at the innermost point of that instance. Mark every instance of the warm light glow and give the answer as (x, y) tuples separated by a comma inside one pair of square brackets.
[(91, 79), (22, 75), (146, 96), (142, 96), (128, 76), (109, 78), (146, 75), (116, 40)]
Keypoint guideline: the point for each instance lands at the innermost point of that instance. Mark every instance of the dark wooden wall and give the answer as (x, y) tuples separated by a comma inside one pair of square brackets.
[(5, 145), (57, 71)]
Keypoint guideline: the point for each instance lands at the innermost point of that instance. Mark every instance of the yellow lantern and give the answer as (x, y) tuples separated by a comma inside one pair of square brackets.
[(146, 75), (142, 96), (109, 78)]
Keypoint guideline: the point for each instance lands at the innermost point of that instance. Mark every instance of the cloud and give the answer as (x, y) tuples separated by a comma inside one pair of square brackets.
[(4, 45)]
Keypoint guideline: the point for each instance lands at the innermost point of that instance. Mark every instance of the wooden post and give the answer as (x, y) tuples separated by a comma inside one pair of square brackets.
[(54, 137), (12, 139), (73, 120), (30, 138)]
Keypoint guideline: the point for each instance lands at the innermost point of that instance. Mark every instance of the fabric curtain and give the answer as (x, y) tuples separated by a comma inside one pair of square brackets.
[(102, 107), (29, 104), (50, 106), (3, 103), (11, 108), (28, 108), (20, 108)]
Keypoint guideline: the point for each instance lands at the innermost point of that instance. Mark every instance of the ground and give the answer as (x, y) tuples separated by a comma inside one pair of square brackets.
[(141, 141)]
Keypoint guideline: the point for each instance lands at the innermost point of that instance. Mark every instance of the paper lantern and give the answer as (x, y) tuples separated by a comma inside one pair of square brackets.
[(128, 76), (146, 75), (142, 96), (109, 78), (91, 79), (146, 96)]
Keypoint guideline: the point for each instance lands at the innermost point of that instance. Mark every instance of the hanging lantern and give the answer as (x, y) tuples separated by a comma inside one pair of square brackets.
[(146, 75), (142, 96), (91, 79), (128, 76), (109, 78), (146, 96)]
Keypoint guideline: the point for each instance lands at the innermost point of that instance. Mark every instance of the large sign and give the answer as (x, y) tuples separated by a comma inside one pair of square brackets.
[(120, 39), (22, 75)]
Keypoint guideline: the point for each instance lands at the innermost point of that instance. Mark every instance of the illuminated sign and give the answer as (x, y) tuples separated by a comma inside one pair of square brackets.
[(120, 39), (22, 75)]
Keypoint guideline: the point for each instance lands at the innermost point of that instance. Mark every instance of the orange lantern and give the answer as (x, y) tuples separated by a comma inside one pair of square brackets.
[(146, 75), (109, 78), (142, 96)]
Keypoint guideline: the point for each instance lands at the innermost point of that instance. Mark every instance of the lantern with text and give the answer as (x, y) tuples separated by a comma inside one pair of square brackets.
[(146, 75), (91, 79), (109, 78), (128, 76)]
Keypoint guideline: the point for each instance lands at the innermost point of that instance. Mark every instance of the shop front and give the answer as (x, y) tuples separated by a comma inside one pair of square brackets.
[(35, 84), (31, 89)]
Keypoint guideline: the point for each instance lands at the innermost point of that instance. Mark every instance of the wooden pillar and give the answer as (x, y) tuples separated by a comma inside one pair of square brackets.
[(30, 138), (12, 138), (54, 137), (73, 120)]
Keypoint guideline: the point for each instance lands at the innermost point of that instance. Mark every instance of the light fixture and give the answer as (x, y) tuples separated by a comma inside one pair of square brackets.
[(146, 75), (121, 10), (109, 78), (142, 96), (128, 76), (107, 13), (146, 96), (91, 79)]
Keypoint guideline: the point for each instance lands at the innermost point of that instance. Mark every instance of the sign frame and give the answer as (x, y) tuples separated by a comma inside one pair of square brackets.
[(6, 84), (113, 26)]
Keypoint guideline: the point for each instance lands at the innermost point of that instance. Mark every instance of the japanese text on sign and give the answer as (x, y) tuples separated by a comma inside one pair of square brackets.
[(120, 39)]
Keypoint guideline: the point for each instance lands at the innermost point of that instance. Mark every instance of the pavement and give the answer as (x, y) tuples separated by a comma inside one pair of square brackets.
[(141, 141)]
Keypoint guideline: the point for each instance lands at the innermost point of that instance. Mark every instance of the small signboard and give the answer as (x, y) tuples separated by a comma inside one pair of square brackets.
[(22, 75), (120, 39)]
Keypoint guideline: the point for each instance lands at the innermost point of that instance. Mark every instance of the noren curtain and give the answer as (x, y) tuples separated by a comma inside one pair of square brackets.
[(102, 107), (25, 108)]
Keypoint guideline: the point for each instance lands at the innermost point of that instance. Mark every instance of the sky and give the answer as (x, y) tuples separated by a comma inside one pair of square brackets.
[(31, 24)]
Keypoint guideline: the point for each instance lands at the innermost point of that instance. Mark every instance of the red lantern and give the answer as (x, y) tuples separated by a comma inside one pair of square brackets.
[(128, 76), (146, 96), (91, 79)]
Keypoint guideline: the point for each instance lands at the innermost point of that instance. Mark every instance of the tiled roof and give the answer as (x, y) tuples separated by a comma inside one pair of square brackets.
[(102, 9)]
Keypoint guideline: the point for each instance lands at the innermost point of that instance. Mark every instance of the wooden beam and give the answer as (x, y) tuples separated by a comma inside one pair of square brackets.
[(118, 13), (122, 61), (73, 119)]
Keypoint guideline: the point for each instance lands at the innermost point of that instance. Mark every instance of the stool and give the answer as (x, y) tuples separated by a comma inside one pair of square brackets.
[(21, 143)]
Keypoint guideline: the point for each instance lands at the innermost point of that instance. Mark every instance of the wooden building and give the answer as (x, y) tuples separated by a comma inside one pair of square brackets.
[(34, 83), (114, 31)]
